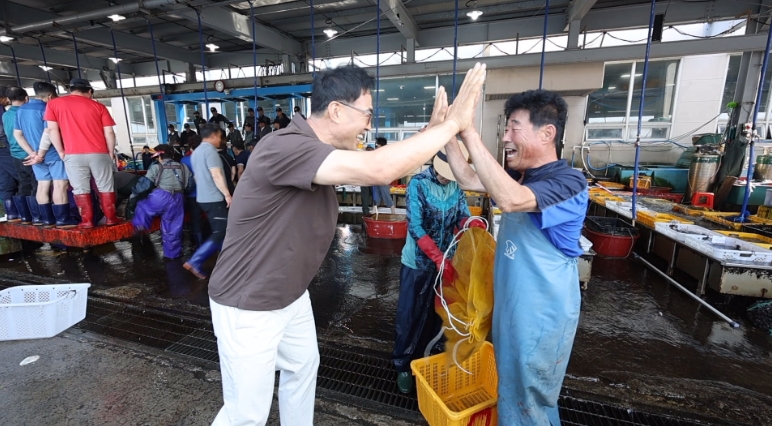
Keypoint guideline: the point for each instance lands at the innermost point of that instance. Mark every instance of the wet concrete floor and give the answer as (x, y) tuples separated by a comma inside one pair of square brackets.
[(640, 341)]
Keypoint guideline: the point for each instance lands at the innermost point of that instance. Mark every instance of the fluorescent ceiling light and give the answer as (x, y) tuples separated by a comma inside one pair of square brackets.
[(5, 39), (638, 75), (115, 60), (212, 47), (392, 99), (474, 14), (330, 32), (625, 76), (429, 87), (612, 88), (45, 68), (117, 18)]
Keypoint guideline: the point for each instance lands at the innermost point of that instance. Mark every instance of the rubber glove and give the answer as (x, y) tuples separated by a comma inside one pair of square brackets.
[(473, 222), (429, 247)]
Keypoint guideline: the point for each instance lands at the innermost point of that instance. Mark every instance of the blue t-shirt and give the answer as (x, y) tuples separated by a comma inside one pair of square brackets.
[(242, 158), (561, 195), (9, 121), (29, 119), (186, 161), (204, 158)]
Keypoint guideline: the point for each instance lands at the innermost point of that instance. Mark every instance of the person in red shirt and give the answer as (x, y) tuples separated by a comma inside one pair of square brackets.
[(81, 130)]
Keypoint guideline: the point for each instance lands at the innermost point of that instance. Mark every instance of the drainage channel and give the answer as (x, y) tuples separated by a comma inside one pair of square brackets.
[(348, 371)]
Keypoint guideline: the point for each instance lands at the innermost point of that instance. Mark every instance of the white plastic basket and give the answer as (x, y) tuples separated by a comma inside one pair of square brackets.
[(679, 231), (37, 311), (725, 248)]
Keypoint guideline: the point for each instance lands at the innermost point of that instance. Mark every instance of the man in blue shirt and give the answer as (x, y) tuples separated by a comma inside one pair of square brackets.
[(27, 183), (212, 194), (536, 283), (8, 176), (32, 136)]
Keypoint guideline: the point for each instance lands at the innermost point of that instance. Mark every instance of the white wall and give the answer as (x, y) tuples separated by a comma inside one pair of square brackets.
[(121, 132)]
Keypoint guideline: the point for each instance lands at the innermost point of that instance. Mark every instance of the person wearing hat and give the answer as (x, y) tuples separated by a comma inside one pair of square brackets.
[(262, 117), (198, 121), (219, 119), (81, 130), (436, 206), (171, 180), (281, 118)]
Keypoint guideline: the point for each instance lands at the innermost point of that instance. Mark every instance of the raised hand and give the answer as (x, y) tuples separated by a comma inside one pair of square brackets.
[(440, 108), (463, 108)]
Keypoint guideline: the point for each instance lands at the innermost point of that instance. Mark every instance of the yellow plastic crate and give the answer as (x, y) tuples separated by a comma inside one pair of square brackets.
[(475, 210), (447, 396), (721, 219), (760, 220), (765, 212), (611, 185), (650, 218), (691, 211), (759, 240)]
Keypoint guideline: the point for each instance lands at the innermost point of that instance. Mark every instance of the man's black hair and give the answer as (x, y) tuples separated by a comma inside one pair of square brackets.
[(196, 112), (381, 141), (231, 124), (249, 125), (43, 88), (250, 110), (210, 129), (194, 141), (80, 88), (239, 145), (146, 146), (344, 84), (186, 125), (15, 94), (544, 107), (167, 152)]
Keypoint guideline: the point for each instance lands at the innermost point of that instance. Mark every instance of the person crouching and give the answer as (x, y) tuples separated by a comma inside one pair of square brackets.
[(171, 180)]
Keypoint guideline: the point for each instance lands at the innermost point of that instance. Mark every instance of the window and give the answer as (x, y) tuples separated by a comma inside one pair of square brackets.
[(612, 112), (142, 121), (730, 91)]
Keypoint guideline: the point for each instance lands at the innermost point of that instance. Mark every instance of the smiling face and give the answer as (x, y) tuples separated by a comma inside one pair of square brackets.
[(352, 121), (526, 146)]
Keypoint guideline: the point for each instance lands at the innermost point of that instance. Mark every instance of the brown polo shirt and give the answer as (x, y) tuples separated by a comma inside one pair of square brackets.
[(280, 223)]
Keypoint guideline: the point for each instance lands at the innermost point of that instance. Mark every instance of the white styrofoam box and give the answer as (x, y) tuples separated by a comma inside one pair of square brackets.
[(496, 224), (585, 244), (37, 311), (625, 208), (727, 248), (679, 231), (768, 198)]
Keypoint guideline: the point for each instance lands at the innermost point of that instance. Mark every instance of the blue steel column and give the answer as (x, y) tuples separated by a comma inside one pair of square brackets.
[(640, 108), (162, 125)]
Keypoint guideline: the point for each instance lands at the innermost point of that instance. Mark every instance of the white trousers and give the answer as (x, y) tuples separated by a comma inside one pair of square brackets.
[(252, 346)]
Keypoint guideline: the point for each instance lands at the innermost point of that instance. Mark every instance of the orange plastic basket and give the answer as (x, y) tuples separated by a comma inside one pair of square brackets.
[(475, 210), (448, 396), (650, 218)]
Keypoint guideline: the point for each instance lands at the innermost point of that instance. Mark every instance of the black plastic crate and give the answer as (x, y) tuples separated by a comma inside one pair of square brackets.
[(757, 228), (610, 226)]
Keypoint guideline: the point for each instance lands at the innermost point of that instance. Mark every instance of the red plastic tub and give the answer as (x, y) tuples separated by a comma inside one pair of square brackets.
[(612, 245), (391, 226)]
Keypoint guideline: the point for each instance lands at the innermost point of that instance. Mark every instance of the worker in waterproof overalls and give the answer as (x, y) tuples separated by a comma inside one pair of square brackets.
[(536, 282), (167, 200)]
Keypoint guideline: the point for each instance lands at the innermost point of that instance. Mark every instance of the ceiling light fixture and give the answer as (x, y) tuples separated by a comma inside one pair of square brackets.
[(612, 87), (212, 47), (429, 87), (392, 99), (330, 31), (45, 68), (115, 60), (5, 39), (475, 12), (117, 18)]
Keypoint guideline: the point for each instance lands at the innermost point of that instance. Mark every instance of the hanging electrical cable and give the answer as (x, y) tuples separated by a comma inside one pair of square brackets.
[(455, 52), (45, 62), (254, 61), (640, 108), (203, 58), (77, 59), (313, 41), (753, 136), (544, 43), (15, 65), (158, 74), (117, 61), (378, 66)]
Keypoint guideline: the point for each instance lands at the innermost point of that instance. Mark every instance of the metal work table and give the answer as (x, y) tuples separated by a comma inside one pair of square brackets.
[(727, 277)]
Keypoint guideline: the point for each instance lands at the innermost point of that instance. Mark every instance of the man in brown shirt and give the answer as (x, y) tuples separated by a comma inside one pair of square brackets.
[(280, 226)]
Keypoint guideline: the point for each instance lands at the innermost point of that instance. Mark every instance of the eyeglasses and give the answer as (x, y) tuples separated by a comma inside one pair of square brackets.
[(366, 112)]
